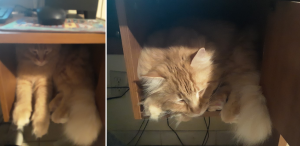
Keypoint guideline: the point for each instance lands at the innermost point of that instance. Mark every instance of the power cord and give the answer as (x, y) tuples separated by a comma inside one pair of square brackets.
[(174, 131), (139, 132), (206, 137), (109, 98)]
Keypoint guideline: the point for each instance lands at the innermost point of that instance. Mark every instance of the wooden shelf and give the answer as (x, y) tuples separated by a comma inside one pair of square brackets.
[(49, 38)]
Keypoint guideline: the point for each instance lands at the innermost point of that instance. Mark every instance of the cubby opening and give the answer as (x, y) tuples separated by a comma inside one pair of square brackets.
[(8, 66), (138, 19)]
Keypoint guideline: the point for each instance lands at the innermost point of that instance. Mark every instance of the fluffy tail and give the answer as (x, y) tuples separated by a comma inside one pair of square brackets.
[(254, 125), (84, 123)]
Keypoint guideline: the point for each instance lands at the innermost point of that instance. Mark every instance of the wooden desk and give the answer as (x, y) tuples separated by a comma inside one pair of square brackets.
[(8, 61), (17, 37)]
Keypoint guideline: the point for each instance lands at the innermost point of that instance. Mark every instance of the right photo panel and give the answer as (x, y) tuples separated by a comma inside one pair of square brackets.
[(203, 73)]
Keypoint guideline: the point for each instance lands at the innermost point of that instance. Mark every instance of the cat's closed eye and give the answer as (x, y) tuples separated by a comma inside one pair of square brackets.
[(182, 101)]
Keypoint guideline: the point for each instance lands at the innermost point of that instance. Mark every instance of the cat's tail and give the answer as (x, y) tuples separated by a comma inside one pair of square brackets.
[(84, 123), (254, 124)]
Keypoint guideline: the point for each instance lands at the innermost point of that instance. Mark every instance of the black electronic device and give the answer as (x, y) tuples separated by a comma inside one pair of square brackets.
[(51, 16)]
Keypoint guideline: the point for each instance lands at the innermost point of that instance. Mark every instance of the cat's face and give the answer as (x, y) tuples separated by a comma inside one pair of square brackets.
[(181, 90), (39, 54)]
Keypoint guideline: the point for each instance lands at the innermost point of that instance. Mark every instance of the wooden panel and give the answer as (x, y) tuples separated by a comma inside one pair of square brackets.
[(281, 70), (7, 79), (131, 50), (51, 38), (99, 65)]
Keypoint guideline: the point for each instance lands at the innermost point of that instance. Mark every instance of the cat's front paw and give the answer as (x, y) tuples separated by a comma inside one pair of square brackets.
[(60, 116), (40, 125), (21, 117), (229, 117)]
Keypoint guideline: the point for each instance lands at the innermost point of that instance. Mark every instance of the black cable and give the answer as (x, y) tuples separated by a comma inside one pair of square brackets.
[(142, 133), (136, 133), (206, 137), (109, 98), (174, 131), (208, 130)]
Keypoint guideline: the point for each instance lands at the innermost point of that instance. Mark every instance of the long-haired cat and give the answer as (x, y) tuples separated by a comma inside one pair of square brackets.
[(36, 64), (178, 79), (180, 69), (74, 104)]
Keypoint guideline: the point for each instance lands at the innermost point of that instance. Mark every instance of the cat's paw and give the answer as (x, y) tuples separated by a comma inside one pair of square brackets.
[(216, 105), (21, 117), (40, 128), (214, 108), (60, 116), (55, 102), (229, 118), (40, 124)]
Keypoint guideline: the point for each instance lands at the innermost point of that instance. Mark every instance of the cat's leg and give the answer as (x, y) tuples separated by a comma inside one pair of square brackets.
[(231, 109), (55, 102), (218, 99), (61, 113), (217, 102), (41, 115), (22, 111)]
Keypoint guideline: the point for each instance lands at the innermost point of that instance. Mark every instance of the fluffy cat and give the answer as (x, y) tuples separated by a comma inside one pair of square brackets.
[(179, 69), (74, 104), (36, 64), (173, 74)]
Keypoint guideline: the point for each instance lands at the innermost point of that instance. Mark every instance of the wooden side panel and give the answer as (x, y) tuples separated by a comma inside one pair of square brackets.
[(98, 52), (281, 70), (131, 50), (7, 79)]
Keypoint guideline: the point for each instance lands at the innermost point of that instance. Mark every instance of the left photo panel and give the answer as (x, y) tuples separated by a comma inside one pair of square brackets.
[(52, 72)]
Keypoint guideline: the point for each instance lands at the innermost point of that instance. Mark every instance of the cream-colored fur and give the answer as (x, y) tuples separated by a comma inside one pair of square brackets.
[(178, 77), (74, 105), (36, 64), (246, 105)]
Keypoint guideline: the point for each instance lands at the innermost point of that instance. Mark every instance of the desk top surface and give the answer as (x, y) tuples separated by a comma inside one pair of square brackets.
[(47, 37)]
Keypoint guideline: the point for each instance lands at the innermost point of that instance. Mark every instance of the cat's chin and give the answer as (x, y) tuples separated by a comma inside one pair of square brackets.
[(40, 63)]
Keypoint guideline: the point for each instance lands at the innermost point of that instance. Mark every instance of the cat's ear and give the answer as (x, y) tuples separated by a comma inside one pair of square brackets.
[(152, 81), (201, 57)]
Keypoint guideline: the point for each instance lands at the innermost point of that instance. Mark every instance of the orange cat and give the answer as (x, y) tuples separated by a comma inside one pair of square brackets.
[(74, 105), (36, 64), (175, 82), (180, 68)]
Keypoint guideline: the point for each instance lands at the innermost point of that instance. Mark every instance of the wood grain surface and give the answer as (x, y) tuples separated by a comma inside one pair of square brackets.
[(281, 70), (7, 79), (131, 49)]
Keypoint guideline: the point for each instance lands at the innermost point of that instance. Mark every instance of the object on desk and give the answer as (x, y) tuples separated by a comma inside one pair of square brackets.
[(51, 16), (5, 13), (70, 25)]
